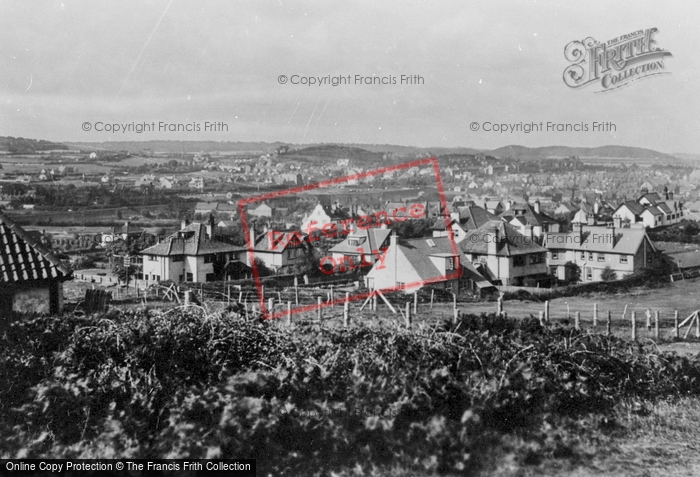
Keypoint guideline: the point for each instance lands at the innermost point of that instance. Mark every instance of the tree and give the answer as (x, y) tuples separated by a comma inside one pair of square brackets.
[(263, 270), (608, 275)]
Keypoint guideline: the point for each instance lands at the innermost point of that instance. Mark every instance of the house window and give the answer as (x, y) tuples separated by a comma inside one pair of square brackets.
[(450, 264), (583, 255), (555, 255), (589, 274), (153, 258), (623, 258), (208, 258), (519, 261), (178, 258), (601, 257), (536, 258), (354, 242), (190, 277), (590, 256)]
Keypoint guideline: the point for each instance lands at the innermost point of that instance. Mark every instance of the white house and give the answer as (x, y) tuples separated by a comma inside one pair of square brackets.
[(409, 265), (193, 255)]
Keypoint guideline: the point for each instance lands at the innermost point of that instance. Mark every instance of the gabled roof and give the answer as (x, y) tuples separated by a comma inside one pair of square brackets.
[(418, 252), (370, 240), (473, 217), (596, 238), (527, 211), (511, 242), (652, 197), (635, 207), (654, 210), (22, 258), (265, 242), (191, 241)]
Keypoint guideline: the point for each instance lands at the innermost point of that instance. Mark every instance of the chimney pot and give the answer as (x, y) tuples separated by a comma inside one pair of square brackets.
[(537, 206)]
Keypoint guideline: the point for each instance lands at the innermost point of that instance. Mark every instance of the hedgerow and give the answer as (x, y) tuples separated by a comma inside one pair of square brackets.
[(314, 401)]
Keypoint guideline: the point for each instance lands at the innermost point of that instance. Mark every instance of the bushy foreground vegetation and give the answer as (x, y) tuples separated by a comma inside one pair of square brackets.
[(312, 401)]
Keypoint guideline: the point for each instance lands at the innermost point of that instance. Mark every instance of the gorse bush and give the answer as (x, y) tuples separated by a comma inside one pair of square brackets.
[(313, 401)]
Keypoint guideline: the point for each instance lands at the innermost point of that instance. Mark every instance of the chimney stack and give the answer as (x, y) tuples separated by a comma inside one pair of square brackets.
[(493, 238), (617, 222), (392, 241), (537, 206), (670, 195), (251, 236), (183, 224), (210, 227), (596, 207)]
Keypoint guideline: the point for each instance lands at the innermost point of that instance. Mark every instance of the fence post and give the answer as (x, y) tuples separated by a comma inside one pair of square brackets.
[(595, 315), (648, 315), (408, 314), (432, 297), (675, 325), (541, 318), (318, 309), (577, 323), (697, 326), (500, 306), (455, 311), (546, 310), (346, 311), (415, 303), (634, 326), (270, 305), (296, 290), (289, 313), (656, 324), (187, 297), (608, 325)]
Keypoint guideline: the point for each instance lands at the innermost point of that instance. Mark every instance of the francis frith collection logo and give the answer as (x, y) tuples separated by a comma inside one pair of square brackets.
[(615, 63)]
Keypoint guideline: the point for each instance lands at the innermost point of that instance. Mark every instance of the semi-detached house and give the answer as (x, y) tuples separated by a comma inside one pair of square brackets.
[(590, 249)]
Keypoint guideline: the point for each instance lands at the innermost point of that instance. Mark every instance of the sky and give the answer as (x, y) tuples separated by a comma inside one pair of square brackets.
[(67, 63)]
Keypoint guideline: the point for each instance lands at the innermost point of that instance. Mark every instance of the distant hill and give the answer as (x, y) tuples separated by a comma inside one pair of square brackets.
[(612, 152), (20, 145), (359, 152), (333, 151), (177, 147)]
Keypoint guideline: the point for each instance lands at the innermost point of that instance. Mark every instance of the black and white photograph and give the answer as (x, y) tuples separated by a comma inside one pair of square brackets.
[(350, 238)]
